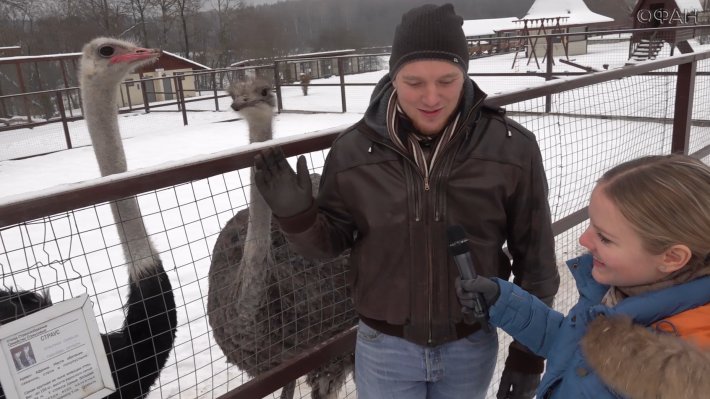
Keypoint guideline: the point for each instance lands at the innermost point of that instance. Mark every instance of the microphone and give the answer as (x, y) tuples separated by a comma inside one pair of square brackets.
[(459, 250)]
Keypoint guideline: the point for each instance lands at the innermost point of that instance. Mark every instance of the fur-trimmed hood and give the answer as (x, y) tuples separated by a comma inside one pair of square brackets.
[(641, 364)]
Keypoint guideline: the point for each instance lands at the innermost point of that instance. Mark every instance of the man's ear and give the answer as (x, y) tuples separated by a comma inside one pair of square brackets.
[(674, 258)]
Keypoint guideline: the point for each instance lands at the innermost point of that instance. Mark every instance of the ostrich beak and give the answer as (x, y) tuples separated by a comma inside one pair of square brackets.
[(138, 54)]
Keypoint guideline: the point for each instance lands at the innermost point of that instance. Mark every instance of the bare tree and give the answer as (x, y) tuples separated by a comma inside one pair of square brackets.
[(167, 10), (185, 8), (139, 9), (225, 10)]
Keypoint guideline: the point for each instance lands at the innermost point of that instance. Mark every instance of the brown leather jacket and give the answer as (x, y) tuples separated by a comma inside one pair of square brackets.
[(372, 199)]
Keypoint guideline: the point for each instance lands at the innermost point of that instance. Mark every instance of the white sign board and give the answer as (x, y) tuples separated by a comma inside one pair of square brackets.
[(55, 353)]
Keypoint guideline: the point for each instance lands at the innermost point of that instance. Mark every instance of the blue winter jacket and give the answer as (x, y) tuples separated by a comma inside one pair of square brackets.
[(556, 337)]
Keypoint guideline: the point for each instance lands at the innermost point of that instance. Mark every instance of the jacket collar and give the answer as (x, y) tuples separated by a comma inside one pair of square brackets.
[(644, 309), (581, 269)]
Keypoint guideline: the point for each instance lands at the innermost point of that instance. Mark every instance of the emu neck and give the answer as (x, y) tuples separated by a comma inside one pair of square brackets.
[(100, 112), (260, 129), (257, 257)]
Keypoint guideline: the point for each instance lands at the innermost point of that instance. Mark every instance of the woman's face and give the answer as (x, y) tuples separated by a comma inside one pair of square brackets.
[(620, 258)]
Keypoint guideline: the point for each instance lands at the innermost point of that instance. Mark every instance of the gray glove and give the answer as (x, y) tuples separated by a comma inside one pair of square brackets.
[(467, 290), (287, 193)]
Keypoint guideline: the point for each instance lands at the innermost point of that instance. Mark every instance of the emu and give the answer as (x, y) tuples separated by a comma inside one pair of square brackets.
[(265, 303)]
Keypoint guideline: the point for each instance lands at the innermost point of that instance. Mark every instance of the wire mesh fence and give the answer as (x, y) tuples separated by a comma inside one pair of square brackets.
[(269, 315)]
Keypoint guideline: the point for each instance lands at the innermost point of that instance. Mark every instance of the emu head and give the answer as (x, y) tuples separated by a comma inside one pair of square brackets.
[(253, 98), (17, 304), (108, 61)]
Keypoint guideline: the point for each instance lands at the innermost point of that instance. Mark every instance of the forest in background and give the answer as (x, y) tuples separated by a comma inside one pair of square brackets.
[(220, 32)]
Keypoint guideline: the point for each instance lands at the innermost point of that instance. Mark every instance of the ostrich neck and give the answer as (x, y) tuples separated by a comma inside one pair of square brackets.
[(257, 257), (100, 112)]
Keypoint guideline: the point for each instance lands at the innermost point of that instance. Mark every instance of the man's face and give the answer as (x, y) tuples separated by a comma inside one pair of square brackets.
[(428, 91)]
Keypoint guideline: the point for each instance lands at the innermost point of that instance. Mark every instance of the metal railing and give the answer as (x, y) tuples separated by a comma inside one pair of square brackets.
[(63, 106)]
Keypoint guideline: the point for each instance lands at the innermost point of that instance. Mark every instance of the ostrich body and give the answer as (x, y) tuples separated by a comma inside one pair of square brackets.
[(265, 303), (139, 350)]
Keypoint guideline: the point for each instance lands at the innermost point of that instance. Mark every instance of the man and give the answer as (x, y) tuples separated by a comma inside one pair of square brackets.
[(427, 154)]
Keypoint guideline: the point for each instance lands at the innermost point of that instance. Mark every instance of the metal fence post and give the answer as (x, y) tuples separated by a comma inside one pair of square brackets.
[(181, 99), (63, 114), (128, 97), (341, 72), (277, 86), (683, 115), (214, 90), (145, 97), (549, 53)]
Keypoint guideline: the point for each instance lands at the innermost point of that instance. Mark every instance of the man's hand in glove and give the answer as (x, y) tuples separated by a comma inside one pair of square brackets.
[(287, 193), (521, 374)]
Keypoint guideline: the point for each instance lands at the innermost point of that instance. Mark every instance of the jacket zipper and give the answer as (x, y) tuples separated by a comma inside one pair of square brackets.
[(438, 193), (425, 179), (427, 240)]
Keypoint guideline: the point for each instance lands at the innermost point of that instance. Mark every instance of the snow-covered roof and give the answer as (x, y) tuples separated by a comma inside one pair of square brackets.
[(689, 5), (186, 60), (33, 58), (51, 57), (480, 27), (330, 53), (575, 11)]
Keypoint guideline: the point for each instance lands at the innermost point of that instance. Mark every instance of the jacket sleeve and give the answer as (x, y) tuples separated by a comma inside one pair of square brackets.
[(638, 363), (530, 238), (526, 318), (326, 229)]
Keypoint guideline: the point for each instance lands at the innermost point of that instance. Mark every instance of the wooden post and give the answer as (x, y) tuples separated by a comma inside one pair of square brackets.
[(341, 72), (146, 107), (63, 114), (23, 90), (277, 87), (214, 90), (549, 53), (181, 98), (683, 115)]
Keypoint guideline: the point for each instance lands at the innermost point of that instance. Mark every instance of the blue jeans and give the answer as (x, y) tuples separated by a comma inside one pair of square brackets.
[(388, 367)]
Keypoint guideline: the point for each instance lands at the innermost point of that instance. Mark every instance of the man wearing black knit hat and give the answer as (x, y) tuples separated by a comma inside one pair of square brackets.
[(428, 154)]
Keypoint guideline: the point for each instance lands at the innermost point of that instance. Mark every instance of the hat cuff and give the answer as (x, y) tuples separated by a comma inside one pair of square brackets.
[(430, 55)]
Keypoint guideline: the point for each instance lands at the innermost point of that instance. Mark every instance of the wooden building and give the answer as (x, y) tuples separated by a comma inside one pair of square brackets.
[(661, 14), (162, 86), (543, 17), (41, 73)]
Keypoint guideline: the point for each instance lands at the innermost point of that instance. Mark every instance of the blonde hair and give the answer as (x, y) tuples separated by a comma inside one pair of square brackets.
[(666, 198)]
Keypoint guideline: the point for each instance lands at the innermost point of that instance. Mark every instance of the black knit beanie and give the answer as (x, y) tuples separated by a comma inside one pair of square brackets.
[(429, 32)]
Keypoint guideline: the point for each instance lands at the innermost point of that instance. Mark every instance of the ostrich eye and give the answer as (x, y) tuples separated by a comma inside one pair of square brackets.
[(106, 51), (264, 92)]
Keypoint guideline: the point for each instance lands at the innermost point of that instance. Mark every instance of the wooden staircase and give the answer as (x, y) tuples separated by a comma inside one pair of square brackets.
[(646, 49)]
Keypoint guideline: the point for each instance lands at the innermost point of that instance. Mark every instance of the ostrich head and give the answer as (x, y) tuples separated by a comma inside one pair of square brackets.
[(255, 100), (109, 60)]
